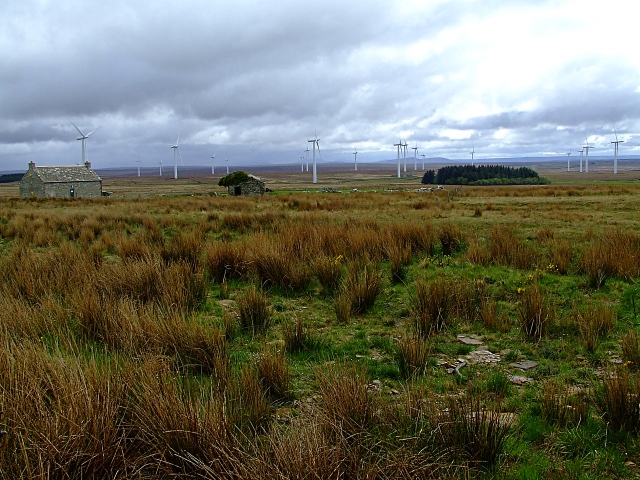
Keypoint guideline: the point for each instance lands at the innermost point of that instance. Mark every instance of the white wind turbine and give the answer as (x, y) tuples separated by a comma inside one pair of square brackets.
[(160, 167), (422, 155), (213, 166), (398, 145), (302, 163), (355, 158), (415, 157), (227, 160), (581, 151), (84, 138), (176, 154), (615, 152), (138, 162), (472, 153), (568, 163), (404, 155), (316, 142), (586, 155), (306, 157)]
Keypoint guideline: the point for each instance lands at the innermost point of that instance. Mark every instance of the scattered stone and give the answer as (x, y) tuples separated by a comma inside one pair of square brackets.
[(483, 356), (519, 380), (469, 340), (526, 365), (377, 383), (227, 303), (394, 392)]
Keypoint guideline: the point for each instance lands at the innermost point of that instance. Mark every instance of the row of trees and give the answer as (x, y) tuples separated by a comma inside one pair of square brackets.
[(482, 175)]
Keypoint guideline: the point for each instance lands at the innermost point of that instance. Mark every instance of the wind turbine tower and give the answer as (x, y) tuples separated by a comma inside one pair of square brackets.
[(404, 155), (615, 152), (415, 157), (581, 151), (84, 138), (227, 160), (586, 155), (176, 153), (302, 163), (398, 145), (316, 142), (422, 155), (160, 167), (355, 159), (138, 162), (306, 157), (213, 166), (472, 152), (568, 164)]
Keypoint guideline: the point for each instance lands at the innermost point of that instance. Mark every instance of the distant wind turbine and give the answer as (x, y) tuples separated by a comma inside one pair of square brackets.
[(160, 167), (568, 162), (227, 160), (422, 155), (615, 152), (176, 154), (398, 145), (581, 151), (213, 166), (586, 155), (138, 162), (84, 138), (302, 163), (472, 152), (316, 142), (306, 157), (355, 158), (415, 157), (404, 155)]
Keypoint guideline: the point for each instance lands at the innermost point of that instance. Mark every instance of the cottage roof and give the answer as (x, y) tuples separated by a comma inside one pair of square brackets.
[(75, 173)]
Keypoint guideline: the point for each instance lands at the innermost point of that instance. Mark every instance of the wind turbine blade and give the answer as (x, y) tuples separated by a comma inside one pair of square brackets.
[(77, 128), (180, 156), (89, 134)]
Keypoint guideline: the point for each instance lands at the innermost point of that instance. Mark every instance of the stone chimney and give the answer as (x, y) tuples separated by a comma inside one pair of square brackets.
[(32, 165), (87, 164)]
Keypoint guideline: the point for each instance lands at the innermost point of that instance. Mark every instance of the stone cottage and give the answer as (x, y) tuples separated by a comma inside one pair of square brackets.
[(252, 186), (74, 181)]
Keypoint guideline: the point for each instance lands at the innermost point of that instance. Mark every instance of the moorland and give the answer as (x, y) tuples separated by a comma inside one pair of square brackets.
[(171, 331)]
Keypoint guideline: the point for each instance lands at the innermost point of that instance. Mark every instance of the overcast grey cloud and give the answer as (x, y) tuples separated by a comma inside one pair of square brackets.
[(252, 81)]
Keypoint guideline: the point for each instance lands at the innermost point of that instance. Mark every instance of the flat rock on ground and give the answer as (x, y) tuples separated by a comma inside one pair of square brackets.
[(470, 340), (526, 365)]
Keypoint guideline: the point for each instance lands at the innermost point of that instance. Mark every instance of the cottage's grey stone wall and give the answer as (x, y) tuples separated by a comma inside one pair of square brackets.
[(31, 186), (81, 190), (250, 187)]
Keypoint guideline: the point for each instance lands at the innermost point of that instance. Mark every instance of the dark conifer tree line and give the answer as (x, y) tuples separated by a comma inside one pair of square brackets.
[(482, 175)]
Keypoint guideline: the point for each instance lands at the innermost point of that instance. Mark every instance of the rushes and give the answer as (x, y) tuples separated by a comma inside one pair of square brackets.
[(536, 313), (254, 310), (362, 285), (619, 401), (432, 306), (412, 356), (630, 345), (595, 321), (560, 408)]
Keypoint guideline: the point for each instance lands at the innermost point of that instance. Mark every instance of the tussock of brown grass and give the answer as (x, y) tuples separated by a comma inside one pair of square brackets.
[(619, 401), (362, 284), (274, 373), (595, 321), (536, 312), (412, 356), (346, 403), (561, 408), (451, 239), (630, 345), (225, 261), (474, 433), (506, 248), (432, 305), (254, 310), (328, 271)]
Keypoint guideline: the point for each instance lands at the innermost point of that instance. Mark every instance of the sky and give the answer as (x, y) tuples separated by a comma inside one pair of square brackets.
[(252, 81)]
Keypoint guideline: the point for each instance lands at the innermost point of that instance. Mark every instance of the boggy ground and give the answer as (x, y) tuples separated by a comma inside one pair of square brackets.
[(464, 333)]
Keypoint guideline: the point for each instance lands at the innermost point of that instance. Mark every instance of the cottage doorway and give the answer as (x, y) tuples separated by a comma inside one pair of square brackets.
[(237, 190)]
